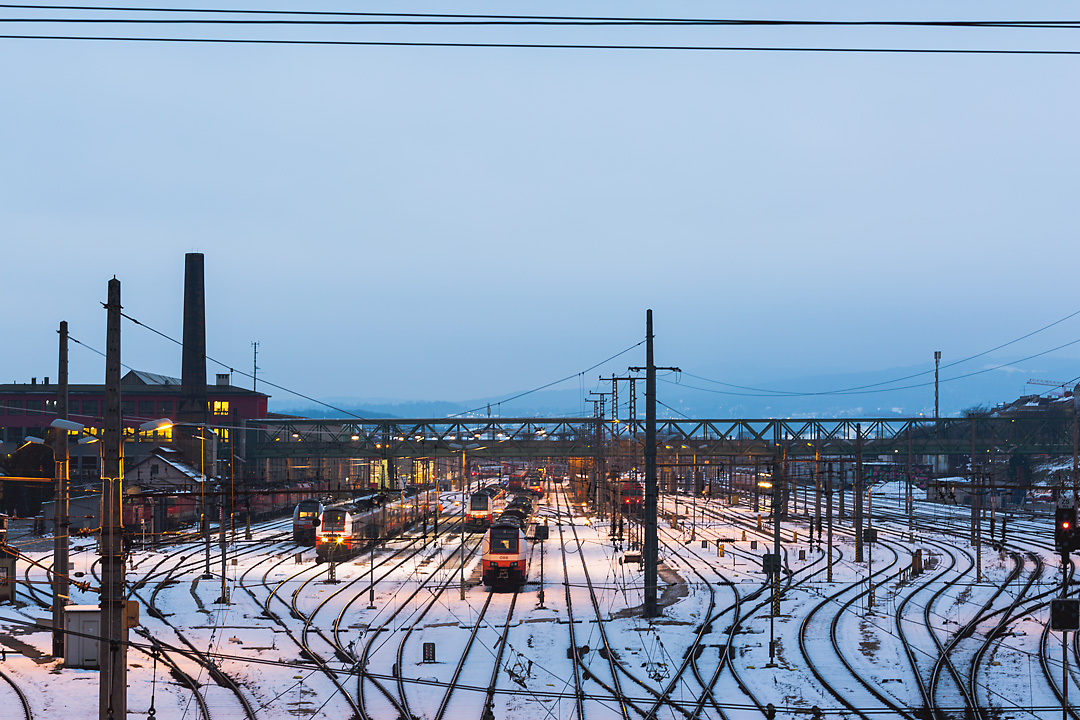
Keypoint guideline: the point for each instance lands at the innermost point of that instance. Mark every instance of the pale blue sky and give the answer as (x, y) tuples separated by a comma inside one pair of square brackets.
[(447, 223)]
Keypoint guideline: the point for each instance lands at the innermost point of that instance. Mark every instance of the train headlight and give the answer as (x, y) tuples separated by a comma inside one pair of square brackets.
[(339, 540)]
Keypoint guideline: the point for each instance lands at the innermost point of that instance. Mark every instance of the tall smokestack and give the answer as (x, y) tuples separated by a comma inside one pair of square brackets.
[(193, 409)]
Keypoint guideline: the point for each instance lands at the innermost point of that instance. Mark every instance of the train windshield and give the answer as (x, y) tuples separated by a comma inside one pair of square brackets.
[(478, 502), (504, 540), (308, 508), (333, 520)]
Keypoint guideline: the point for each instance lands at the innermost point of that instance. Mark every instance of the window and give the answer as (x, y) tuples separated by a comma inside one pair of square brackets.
[(14, 407), (154, 469), (220, 407), (146, 408), (89, 407), (50, 406), (164, 407), (223, 434), (165, 434), (33, 407), (127, 407)]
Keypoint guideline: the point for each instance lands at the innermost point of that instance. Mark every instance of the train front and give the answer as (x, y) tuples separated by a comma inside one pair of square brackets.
[(304, 516), (479, 513), (504, 556), (332, 542)]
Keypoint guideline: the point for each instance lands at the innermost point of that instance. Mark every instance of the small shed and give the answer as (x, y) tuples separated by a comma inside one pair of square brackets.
[(82, 623)]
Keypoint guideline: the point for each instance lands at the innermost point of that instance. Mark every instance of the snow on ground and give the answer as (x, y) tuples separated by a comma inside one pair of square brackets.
[(536, 677)]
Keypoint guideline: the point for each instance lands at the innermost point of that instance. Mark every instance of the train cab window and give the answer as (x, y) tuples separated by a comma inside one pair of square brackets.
[(478, 502), (333, 521), (504, 540)]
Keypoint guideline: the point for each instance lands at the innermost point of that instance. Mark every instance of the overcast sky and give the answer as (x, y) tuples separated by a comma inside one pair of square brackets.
[(450, 223)]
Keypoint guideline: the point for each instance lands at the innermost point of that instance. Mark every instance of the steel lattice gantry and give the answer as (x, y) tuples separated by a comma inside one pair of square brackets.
[(879, 436), (581, 437), (420, 438)]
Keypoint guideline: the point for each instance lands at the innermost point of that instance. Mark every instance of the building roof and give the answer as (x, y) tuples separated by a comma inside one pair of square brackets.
[(168, 456), (134, 383), (140, 377)]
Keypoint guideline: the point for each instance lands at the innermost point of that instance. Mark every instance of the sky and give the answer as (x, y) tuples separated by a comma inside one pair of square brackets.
[(446, 223)]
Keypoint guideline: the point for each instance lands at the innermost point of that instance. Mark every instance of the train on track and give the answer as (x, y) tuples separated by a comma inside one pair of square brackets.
[(505, 562), (304, 519), (347, 528), (161, 513), (484, 506)]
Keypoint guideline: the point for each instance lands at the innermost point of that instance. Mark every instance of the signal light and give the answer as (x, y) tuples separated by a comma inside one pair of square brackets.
[(1065, 535)]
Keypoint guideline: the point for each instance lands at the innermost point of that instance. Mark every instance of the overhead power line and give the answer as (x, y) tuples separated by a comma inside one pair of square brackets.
[(759, 392), (550, 46), (478, 18), (232, 368), (883, 390)]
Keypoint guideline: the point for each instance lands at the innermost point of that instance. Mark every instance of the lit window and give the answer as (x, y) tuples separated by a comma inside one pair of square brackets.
[(220, 407), (223, 434), (165, 434)]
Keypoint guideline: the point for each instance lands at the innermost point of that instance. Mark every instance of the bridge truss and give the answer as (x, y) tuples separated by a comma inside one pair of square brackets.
[(586, 437)]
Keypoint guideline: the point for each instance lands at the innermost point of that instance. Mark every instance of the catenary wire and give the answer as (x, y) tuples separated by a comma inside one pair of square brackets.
[(568, 19), (350, 414), (552, 46), (781, 393), (883, 390)]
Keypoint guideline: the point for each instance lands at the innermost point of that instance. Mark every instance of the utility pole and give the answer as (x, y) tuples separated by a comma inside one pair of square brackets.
[(60, 503), (858, 494), (937, 365), (222, 544), (651, 546), (255, 365), (828, 516), (651, 609), (112, 701)]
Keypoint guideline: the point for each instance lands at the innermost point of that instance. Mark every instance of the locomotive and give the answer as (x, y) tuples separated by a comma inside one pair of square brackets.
[(505, 563), (303, 520), (484, 506), (349, 527)]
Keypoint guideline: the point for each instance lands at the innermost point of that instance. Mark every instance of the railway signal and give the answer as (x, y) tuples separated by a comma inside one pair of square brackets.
[(1064, 614), (1066, 538)]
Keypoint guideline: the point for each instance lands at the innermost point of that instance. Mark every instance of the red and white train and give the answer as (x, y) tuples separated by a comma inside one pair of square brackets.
[(347, 528), (484, 506), (304, 519), (505, 562)]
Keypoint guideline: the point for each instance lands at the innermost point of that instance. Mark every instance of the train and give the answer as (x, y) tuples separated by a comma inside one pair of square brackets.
[(631, 495), (347, 528), (304, 516), (168, 512), (484, 506), (505, 563), (517, 481)]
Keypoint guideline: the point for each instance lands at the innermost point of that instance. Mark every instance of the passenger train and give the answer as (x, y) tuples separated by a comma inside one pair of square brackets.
[(303, 520), (505, 559), (346, 528), (484, 506)]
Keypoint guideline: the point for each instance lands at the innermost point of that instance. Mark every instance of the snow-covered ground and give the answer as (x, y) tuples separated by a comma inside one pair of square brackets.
[(287, 631)]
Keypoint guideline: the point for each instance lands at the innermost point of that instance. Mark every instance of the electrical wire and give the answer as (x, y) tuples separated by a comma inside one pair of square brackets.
[(781, 393), (552, 46), (353, 415), (474, 18), (879, 390)]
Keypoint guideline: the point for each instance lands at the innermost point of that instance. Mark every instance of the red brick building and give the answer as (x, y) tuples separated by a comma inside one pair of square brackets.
[(27, 410)]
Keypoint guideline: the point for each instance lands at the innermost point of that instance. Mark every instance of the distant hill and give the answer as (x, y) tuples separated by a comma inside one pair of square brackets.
[(692, 397)]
